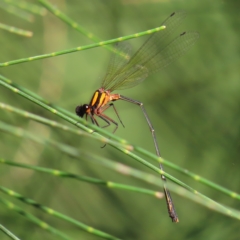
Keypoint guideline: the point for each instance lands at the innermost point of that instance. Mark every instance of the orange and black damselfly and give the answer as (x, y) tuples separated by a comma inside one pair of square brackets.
[(126, 71)]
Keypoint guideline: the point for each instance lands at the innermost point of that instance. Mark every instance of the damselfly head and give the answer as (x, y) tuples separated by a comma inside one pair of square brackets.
[(81, 110)]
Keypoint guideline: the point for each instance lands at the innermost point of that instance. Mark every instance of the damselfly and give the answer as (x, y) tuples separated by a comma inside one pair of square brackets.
[(126, 70)]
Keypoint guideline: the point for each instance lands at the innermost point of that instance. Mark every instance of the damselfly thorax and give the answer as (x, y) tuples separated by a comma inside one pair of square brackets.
[(100, 98)]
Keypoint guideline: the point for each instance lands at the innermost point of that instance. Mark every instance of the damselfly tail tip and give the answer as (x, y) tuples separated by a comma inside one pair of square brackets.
[(175, 219)]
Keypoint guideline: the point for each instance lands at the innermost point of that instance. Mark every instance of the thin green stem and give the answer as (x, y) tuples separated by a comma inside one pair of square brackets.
[(8, 233), (33, 219), (15, 30), (81, 48), (52, 212), (30, 7), (59, 14), (70, 22), (107, 184), (16, 11)]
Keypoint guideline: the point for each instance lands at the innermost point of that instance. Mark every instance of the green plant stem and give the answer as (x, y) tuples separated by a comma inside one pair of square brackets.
[(51, 211), (32, 8), (8, 233), (59, 14), (15, 30), (33, 219), (62, 174), (81, 48), (17, 12)]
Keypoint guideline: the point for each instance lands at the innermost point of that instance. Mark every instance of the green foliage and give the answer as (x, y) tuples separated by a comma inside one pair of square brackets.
[(59, 178)]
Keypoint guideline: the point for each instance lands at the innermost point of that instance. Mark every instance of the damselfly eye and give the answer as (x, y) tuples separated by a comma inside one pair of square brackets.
[(81, 110)]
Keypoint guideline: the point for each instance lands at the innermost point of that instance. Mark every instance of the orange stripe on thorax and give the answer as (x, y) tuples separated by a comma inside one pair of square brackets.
[(101, 97), (94, 98)]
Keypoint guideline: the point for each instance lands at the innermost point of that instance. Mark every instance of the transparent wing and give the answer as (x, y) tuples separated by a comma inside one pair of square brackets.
[(127, 78), (154, 54), (132, 74), (157, 41), (119, 58)]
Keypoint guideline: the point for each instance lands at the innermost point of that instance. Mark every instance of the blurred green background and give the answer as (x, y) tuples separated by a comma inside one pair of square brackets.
[(193, 105)]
